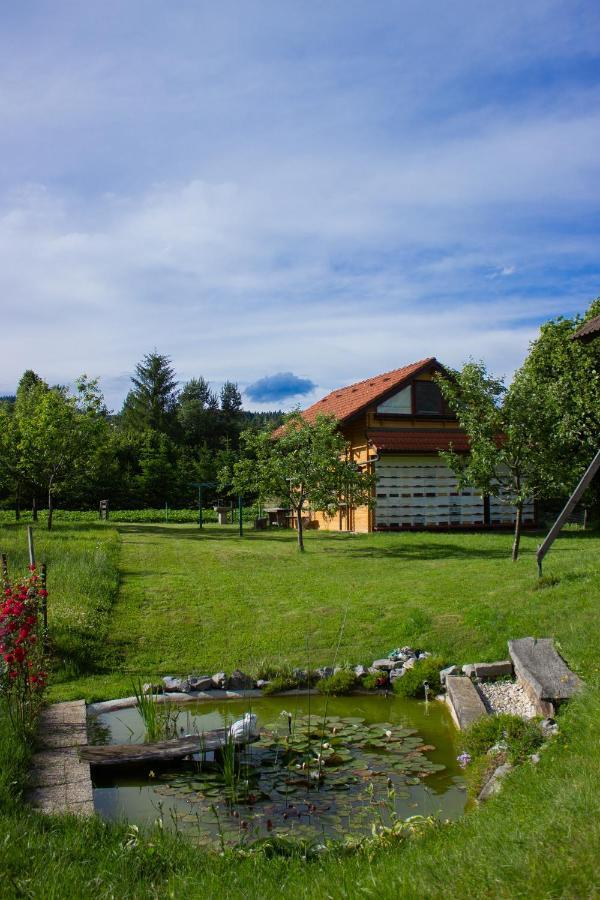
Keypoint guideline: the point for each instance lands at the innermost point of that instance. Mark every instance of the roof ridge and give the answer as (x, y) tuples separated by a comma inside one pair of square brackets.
[(346, 387)]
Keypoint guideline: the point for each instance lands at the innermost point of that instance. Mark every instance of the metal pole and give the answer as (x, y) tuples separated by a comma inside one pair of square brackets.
[(240, 506)]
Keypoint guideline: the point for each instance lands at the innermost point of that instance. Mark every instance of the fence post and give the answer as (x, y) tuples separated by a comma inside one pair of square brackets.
[(43, 581), (30, 545)]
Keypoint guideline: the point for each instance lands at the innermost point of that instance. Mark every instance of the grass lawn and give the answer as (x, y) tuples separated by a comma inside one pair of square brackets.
[(149, 600)]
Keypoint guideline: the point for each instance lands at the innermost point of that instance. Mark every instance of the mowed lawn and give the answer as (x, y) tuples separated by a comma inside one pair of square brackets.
[(200, 602), (146, 600)]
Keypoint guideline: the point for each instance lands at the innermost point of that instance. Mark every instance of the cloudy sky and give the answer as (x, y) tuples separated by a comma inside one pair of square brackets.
[(292, 195)]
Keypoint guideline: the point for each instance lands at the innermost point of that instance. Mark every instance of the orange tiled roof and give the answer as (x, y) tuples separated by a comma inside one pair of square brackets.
[(419, 441), (347, 401)]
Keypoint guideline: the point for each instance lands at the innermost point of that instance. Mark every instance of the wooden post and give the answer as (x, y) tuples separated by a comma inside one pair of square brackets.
[(43, 582), (570, 505), (30, 545)]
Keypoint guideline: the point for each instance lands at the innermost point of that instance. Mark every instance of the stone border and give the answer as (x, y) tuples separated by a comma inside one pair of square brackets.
[(60, 781), (106, 706)]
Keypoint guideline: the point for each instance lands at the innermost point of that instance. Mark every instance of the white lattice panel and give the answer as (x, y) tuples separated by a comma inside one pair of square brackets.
[(422, 491)]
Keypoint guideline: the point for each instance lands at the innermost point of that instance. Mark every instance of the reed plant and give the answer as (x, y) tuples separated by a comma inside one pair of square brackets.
[(160, 718)]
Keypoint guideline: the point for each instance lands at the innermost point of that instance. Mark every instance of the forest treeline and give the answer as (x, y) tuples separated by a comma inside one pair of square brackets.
[(65, 447)]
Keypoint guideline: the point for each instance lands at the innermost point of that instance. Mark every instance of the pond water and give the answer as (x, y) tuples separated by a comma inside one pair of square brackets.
[(322, 768)]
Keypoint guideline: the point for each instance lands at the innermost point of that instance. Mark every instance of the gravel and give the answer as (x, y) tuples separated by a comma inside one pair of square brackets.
[(507, 697)]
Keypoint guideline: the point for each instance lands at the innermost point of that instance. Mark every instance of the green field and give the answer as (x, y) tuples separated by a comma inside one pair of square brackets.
[(146, 600)]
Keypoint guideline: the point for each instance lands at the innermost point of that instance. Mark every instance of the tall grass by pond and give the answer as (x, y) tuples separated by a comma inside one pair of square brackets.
[(83, 581)]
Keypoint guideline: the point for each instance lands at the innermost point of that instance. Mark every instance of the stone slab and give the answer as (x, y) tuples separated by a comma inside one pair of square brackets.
[(540, 668), (489, 671), (464, 701), (494, 783), (60, 781)]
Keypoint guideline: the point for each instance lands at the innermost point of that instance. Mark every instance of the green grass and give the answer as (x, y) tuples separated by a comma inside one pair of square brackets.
[(201, 602), (174, 516), (191, 602)]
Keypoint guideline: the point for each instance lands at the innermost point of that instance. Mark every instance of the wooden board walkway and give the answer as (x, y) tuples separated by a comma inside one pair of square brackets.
[(158, 752)]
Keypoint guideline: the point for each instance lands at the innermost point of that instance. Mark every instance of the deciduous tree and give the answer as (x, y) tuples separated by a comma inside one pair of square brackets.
[(308, 463), (507, 429)]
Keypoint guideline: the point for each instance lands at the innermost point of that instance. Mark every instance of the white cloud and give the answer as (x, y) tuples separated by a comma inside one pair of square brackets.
[(333, 194)]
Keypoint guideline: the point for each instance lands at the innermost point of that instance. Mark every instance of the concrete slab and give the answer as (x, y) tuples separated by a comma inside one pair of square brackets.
[(60, 781), (464, 701)]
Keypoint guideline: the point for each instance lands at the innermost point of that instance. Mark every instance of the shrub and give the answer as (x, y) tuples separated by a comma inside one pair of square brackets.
[(522, 737), (372, 681), (412, 683), (341, 682), (22, 675), (281, 683)]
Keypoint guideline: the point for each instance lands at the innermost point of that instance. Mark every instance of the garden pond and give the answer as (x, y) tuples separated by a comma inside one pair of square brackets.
[(323, 768)]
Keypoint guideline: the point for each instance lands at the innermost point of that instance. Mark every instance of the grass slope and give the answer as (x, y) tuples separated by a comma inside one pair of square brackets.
[(192, 602)]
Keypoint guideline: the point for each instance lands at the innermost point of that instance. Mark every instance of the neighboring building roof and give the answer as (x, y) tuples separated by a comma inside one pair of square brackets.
[(347, 401), (419, 441), (588, 331)]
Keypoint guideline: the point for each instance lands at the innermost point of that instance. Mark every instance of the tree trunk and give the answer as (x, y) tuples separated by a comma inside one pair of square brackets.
[(586, 513), (34, 516), (18, 502), (300, 531), (50, 508), (517, 540)]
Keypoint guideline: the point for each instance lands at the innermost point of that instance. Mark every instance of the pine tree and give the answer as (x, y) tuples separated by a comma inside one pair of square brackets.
[(151, 403)]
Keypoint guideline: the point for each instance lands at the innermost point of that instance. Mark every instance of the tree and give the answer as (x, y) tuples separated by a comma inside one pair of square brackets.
[(231, 415), (507, 430), (58, 433), (197, 413), (309, 463), (152, 400), (564, 375), (157, 480), (10, 470)]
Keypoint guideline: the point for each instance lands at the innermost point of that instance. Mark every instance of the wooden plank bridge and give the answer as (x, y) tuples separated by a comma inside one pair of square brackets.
[(161, 751)]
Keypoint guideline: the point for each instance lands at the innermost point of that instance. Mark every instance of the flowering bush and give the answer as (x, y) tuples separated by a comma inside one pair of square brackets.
[(22, 675)]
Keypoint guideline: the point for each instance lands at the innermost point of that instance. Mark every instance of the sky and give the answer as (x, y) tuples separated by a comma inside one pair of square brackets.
[(293, 196)]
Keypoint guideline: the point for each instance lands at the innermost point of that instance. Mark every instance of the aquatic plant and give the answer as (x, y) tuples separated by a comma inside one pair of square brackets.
[(160, 718)]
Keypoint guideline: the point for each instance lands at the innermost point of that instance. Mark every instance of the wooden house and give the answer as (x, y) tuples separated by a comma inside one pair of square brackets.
[(396, 424)]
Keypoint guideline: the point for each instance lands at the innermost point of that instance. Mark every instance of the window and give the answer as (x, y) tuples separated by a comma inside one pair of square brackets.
[(428, 398), (400, 403)]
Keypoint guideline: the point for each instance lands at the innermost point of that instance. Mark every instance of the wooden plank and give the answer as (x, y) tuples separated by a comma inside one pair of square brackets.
[(161, 751), (542, 670), (570, 505)]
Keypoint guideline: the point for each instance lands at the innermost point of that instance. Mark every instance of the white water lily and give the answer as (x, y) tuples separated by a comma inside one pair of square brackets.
[(388, 734)]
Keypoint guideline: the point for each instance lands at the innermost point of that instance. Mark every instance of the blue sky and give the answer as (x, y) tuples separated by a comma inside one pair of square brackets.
[(321, 190)]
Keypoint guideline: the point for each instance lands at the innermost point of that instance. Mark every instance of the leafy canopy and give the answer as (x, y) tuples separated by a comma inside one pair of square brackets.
[(307, 463)]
